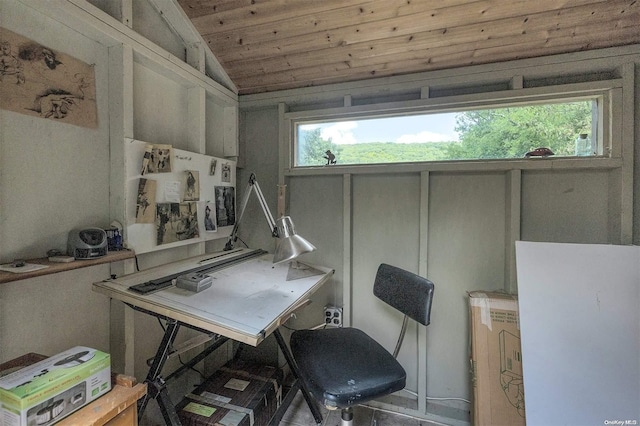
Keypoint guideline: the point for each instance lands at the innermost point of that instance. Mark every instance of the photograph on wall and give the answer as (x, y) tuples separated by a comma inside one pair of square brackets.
[(212, 167), (176, 222), (39, 81), (226, 172), (191, 185), (209, 217), (146, 201), (225, 205), (157, 159)]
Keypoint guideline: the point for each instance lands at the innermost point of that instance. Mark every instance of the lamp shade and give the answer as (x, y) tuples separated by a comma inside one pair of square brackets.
[(289, 245)]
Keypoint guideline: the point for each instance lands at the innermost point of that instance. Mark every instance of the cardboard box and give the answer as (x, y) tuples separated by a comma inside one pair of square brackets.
[(239, 394), (496, 360), (49, 390)]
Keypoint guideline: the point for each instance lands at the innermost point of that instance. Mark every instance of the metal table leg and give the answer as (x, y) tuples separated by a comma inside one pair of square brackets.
[(294, 369), (156, 387)]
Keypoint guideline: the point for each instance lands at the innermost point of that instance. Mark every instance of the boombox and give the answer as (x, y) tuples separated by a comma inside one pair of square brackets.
[(87, 243)]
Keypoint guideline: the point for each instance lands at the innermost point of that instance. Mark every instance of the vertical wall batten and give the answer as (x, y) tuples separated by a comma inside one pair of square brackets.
[(513, 202), (423, 270), (346, 251), (628, 135), (285, 154)]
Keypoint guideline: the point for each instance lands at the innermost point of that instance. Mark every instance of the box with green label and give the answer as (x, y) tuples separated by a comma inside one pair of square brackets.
[(47, 391)]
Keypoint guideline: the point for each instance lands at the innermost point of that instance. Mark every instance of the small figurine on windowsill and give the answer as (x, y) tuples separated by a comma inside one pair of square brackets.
[(539, 152), (331, 159)]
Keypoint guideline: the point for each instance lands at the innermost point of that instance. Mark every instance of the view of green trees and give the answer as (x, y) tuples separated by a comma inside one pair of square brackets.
[(483, 134)]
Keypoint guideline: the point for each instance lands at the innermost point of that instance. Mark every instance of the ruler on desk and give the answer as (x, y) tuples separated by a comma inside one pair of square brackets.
[(206, 265)]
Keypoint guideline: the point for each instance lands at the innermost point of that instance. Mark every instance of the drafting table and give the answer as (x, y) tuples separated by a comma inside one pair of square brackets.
[(248, 300)]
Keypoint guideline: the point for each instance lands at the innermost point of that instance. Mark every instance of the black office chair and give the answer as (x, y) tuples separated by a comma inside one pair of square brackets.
[(343, 367)]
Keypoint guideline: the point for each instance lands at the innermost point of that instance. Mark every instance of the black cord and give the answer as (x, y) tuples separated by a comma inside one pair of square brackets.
[(289, 328), (192, 368), (245, 244), (161, 325), (137, 266)]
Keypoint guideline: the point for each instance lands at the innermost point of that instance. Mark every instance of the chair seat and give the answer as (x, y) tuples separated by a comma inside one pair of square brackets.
[(343, 367)]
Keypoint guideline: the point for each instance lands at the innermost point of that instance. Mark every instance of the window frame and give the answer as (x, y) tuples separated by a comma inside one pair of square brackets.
[(608, 94)]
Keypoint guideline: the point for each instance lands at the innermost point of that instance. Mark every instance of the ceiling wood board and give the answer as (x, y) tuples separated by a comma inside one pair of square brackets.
[(267, 45)]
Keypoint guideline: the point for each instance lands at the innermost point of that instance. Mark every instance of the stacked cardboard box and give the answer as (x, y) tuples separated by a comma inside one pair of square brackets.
[(239, 393), (496, 360)]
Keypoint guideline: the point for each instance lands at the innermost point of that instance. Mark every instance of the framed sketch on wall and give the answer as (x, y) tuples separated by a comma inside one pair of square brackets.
[(42, 82)]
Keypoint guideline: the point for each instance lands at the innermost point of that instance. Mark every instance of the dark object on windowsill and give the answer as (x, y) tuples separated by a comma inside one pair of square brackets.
[(539, 152), (330, 157)]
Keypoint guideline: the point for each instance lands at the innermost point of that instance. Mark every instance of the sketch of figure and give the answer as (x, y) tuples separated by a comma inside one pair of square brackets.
[(160, 159), (146, 201), (176, 222), (226, 172), (48, 84), (54, 103), (163, 215), (192, 186), (37, 53), (225, 205), (9, 64), (209, 223), (50, 58)]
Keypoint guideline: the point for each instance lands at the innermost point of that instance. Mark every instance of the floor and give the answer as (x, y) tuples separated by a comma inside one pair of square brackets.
[(300, 415)]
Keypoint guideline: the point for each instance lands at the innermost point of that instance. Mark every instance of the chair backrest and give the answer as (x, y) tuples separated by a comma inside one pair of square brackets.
[(409, 293)]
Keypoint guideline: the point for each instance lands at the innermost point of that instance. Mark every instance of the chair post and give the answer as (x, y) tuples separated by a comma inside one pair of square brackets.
[(401, 337), (346, 416)]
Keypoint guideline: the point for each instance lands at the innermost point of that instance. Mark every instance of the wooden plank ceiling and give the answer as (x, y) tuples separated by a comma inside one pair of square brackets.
[(267, 45)]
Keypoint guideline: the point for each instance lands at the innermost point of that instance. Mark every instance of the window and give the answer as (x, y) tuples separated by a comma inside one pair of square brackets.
[(568, 127)]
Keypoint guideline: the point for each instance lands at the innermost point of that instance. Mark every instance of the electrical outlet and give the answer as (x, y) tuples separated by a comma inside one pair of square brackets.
[(333, 316)]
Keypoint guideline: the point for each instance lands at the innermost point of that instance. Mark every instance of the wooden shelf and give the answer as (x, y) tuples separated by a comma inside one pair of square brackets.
[(54, 267), (116, 407)]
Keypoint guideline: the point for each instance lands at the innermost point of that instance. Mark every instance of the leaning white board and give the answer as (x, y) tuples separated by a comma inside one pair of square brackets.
[(580, 331)]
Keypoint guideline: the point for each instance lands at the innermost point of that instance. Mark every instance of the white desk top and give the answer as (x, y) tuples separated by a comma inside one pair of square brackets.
[(246, 302)]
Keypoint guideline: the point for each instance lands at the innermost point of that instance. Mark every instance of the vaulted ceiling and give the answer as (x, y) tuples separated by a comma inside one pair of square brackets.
[(267, 45)]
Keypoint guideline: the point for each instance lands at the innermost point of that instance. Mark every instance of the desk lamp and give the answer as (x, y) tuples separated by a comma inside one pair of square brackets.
[(289, 245)]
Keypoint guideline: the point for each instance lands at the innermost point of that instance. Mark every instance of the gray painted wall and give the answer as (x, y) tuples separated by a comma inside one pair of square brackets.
[(469, 215)]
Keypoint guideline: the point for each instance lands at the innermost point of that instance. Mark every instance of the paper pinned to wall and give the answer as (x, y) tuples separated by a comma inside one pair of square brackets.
[(172, 191)]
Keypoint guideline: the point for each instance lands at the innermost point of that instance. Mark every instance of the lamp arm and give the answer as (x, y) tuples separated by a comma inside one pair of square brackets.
[(251, 186), (265, 210)]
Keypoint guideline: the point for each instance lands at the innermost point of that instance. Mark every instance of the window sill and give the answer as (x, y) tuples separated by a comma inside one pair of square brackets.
[(533, 163)]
